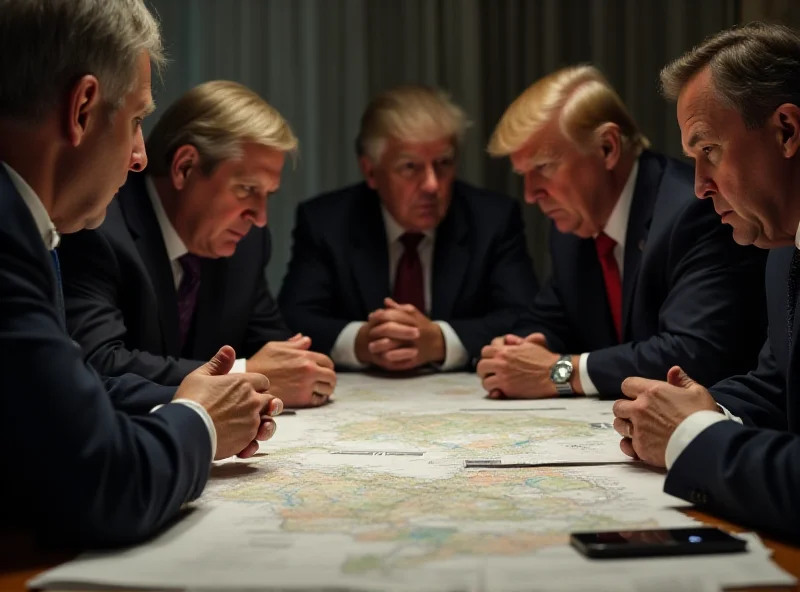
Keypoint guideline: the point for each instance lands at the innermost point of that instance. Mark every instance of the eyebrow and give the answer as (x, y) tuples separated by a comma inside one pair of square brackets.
[(148, 109)]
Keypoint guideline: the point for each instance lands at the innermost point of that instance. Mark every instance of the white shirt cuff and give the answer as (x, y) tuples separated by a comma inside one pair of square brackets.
[(730, 415), (344, 350), (201, 411), (687, 431), (455, 355), (239, 366), (583, 371)]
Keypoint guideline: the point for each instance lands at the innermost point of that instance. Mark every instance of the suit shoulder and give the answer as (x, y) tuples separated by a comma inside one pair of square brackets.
[(334, 203)]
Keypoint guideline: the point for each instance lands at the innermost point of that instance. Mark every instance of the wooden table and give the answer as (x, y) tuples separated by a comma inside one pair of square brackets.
[(20, 560)]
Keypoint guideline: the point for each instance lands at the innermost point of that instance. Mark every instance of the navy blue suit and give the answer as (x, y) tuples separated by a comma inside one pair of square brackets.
[(750, 473), (122, 306), (690, 295), (482, 277), (84, 462)]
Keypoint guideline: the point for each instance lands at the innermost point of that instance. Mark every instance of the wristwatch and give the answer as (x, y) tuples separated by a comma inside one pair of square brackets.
[(560, 374)]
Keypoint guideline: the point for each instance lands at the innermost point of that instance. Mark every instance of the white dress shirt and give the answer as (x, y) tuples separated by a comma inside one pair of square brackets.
[(698, 421), (49, 235), (176, 249), (344, 350), (616, 228)]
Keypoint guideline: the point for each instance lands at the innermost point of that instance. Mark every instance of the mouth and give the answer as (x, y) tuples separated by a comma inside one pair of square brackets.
[(724, 213)]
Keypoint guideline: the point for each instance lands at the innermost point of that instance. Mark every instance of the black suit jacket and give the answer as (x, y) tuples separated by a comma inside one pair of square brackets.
[(482, 276), (83, 462), (750, 473), (690, 295), (122, 305)]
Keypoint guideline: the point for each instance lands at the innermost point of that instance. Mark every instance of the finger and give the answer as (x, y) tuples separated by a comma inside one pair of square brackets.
[(295, 337), (397, 315), (487, 366), (496, 394), (403, 354), (318, 399), (513, 340), (623, 427), (489, 351), (391, 303), (323, 388), (634, 386), (266, 429), (622, 408), (384, 344), (259, 382), (537, 338), (677, 377), (626, 445), (394, 330), (220, 364), (498, 342), (301, 343), (490, 383), (274, 407), (249, 450), (403, 365)]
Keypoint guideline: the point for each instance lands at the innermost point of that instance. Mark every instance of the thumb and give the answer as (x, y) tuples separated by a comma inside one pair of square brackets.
[(220, 364), (295, 337), (513, 340), (677, 377), (537, 338)]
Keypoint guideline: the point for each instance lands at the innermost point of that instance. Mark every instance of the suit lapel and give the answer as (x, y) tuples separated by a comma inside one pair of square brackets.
[(450, 259), (645, 195), (213, 283), (370, 253), (143, 224), (589, 288)]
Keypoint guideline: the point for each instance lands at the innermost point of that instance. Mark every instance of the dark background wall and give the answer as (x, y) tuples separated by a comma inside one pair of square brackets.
[(320, 61)]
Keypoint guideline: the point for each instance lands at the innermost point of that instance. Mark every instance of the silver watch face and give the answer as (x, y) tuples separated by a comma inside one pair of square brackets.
[(561, 372)]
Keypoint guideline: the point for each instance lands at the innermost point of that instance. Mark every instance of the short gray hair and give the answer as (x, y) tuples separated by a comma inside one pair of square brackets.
[(754, 68), (47, 45), (409, 113)]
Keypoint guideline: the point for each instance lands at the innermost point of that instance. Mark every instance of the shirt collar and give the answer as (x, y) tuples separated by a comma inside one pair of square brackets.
[(173, 242), (44, 224), (617, 225), (393, 229)]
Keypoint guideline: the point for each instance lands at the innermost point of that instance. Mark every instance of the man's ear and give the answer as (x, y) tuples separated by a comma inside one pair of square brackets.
[(185, 160), (84, 107), (368, 170), (609, 142), (786, 121)]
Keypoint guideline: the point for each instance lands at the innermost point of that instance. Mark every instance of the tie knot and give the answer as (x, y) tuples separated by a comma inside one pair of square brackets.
[(190, 264), (411, 240), (605, 245)]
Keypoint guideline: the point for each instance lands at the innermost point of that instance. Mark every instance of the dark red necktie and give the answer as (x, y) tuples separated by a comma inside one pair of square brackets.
[(409, 287), (605, 252)]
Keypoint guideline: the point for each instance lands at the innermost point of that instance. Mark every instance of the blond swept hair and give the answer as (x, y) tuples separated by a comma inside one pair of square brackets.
[(409, 113), (216, 118), (582, 100)]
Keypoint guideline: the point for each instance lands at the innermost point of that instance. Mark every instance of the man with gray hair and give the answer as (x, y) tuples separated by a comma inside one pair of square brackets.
[(123, 455), (409, 268), (734, 449)]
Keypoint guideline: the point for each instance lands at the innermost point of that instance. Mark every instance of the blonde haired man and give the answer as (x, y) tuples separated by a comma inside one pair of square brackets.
[(644, 276), (411, 267), (177, 269)]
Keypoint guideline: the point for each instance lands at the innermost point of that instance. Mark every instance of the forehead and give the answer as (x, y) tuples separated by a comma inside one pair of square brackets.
[(422, 150), (701, 114), (547, 143)]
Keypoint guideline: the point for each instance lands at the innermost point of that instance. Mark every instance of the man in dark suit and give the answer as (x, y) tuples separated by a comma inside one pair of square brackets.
[(121, 456), (735, 449), (178, 267), (408, 268), (644, 275)]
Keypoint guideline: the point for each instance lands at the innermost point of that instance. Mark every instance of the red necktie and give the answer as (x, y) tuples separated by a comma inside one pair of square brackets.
[(605, 252), (408, 283)]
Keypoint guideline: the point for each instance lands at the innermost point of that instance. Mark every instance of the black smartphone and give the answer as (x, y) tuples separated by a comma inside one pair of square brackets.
[(651, 543)]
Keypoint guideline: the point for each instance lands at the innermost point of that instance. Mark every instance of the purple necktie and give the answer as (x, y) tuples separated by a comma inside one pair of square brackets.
[(187, 292)]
